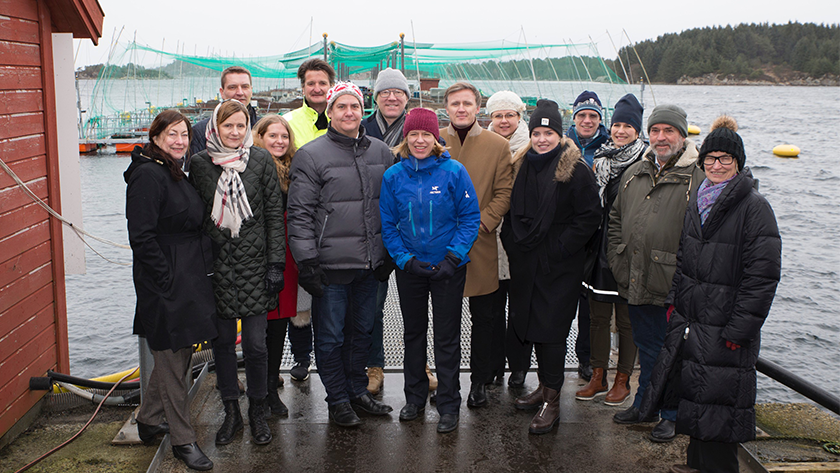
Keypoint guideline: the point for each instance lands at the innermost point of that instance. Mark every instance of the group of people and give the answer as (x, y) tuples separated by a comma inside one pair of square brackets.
[(304, 217)]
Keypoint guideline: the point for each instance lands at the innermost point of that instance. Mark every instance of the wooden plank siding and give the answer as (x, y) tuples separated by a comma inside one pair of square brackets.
[(33, 311), (31, 258)]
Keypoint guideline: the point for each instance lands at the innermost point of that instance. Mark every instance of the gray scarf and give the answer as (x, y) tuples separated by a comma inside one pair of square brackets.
[(611, 162), (391, 135)]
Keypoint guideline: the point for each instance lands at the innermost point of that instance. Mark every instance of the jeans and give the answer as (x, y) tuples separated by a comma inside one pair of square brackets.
[(342, 322), (254, 350), (649, 326), (447, 297), (377, 347)]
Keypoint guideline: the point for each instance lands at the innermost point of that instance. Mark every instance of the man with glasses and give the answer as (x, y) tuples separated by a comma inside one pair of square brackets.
[(644, 234)]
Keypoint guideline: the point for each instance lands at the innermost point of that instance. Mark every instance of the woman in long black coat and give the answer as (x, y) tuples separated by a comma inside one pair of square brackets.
[(728, 267), (554, 211), (172, 262)]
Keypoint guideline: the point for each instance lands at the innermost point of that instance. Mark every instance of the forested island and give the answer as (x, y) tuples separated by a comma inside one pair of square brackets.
[(790, 54)]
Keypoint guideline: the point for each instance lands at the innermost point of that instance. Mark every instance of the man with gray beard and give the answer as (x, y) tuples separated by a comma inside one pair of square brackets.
[(644, 235)]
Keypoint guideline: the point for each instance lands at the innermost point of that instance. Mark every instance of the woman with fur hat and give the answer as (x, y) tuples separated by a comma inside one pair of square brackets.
[(728, 267), (624, 148), (430, 220), (505, 109), (554, 211)]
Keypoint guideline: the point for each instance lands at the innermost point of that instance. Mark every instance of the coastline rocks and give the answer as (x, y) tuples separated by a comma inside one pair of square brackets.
[(795, 79)]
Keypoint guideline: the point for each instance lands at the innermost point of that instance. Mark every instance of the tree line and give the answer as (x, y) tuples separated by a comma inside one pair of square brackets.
[(747, 51)]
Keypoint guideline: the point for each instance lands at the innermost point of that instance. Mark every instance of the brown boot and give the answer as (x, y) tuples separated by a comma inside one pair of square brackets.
[(620, 390), (375, 379), (683, 469), (530, 401), (548, 415), (433, 382), (597, 385)]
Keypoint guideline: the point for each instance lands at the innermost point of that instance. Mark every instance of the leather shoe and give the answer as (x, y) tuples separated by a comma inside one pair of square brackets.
[(516, 379), (683, 469), (411, 411), (343, 415), (447, 423), (148, 432), (478, 396), (530, 401), (367, 403), (664, 432), (192, 456), (631, 416), (585, 371)]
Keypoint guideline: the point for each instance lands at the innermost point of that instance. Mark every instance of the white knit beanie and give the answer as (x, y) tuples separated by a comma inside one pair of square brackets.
[(505, 100)]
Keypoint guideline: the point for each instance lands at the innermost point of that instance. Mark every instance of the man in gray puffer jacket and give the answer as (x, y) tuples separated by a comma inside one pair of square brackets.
[(335, 237)]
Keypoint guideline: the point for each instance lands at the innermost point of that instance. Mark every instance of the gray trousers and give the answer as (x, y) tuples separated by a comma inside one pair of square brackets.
[(167, 396)]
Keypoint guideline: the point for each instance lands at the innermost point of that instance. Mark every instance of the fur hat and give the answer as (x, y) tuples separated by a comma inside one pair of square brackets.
[(588, 100), (504, 100), (546, 114), (669, 114), (422, 119), (628, 110), (723, 138), (344, 88), (390, 79)]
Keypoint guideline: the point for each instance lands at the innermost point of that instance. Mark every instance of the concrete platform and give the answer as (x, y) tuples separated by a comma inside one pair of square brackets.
[(489, 439)]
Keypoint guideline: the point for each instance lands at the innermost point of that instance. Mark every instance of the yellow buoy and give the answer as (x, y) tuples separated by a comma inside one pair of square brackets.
[(693, 130), (786, 151)]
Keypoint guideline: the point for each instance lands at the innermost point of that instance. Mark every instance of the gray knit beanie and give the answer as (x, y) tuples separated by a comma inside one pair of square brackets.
[(669, 114), (390, 79)]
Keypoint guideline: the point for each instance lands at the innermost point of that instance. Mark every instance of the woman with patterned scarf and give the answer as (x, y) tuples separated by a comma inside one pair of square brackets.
[(238, 183), (624, 148)]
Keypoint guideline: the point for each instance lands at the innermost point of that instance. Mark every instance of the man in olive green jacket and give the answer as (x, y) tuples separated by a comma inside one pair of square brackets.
[(644, 236)]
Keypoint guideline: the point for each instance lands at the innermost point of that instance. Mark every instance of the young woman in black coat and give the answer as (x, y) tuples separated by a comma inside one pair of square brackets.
[(728, 267), (554, 211), (172, 262)]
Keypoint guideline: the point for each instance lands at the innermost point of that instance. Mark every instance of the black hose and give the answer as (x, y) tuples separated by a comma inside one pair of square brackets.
[(87, 383)]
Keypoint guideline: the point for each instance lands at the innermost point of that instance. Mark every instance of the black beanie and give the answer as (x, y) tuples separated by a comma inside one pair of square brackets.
[(546, 114), (723, 137), (628, 110)]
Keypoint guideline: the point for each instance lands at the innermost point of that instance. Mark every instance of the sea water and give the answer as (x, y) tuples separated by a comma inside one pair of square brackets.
[(802, 332)]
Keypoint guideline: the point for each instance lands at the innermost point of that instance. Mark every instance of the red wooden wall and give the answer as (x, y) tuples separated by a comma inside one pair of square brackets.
[(33, 316)]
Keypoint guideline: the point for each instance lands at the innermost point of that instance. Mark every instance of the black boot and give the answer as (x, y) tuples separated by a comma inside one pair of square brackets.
[(232, 423), (273, 399), (192, 456), (260, 433)]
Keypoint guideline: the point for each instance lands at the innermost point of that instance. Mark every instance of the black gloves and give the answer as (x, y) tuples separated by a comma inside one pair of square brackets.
[(446, 268), (419, 268), (312, 278), (383, 272), (274, 278)]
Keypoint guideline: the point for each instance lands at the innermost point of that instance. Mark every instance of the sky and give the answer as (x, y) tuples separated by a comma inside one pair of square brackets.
[(265, 28)]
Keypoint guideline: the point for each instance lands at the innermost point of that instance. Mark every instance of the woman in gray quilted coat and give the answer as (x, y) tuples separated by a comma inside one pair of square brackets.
[(238, 184)]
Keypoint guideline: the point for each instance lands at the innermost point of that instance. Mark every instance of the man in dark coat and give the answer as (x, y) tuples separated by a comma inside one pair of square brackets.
[(390, 92), (728, 267), (236, 84), (644, 235), (335, 237)]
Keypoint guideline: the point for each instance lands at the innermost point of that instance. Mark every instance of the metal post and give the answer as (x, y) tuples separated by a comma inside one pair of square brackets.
[(402, 53), (325, 47)]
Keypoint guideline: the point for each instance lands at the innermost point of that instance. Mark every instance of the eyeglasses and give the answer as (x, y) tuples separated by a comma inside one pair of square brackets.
[(397, 93), (725, 159), (509, 116)]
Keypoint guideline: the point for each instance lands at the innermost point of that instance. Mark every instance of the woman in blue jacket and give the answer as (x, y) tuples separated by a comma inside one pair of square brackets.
[(430, 220)]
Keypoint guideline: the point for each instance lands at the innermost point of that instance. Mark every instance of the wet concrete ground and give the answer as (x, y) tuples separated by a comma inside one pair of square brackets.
[(489, 439)]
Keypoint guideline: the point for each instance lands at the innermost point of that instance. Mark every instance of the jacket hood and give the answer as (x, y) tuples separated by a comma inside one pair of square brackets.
[(602, 132), (688, 158), (138, 159), (569, 157)]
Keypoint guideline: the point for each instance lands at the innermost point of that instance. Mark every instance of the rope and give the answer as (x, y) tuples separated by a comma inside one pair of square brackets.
[(79, 232)]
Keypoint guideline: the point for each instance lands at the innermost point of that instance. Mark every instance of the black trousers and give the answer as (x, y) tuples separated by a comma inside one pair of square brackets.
[(582, 344), (551, 362), (498, 338), (447, 298), (713, 457), (482, 314), (275, 342)]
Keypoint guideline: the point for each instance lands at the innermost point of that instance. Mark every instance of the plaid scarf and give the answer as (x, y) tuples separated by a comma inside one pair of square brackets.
[(707, 195), (230, 204), (611, 162)]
